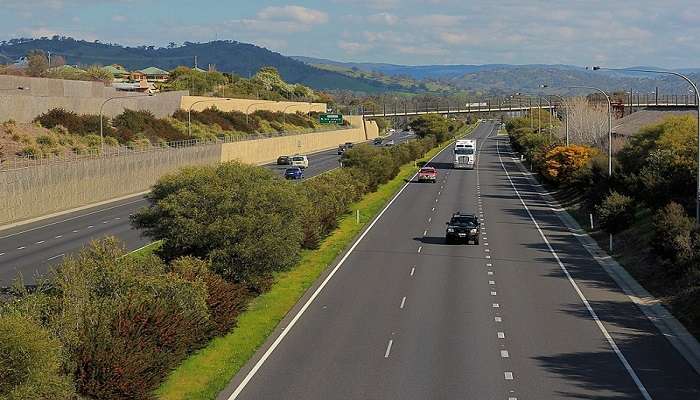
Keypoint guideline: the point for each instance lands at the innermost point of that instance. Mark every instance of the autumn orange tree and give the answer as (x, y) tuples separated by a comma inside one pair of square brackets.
[(562, 163)]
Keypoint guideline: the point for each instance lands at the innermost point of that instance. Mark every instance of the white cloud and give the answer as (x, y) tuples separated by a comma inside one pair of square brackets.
[(302, 15), (383, 18), (119, 18), (353, 48)]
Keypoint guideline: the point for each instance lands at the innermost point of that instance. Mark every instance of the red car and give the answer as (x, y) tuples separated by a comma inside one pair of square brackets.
[(427, 174)]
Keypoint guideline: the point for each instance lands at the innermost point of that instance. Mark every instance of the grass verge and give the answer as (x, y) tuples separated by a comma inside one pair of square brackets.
[(207, 372), (145, 251)]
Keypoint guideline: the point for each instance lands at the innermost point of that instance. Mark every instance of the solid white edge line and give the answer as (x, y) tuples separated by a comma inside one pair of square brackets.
[(56, 256), (573, 283), (318, 290)]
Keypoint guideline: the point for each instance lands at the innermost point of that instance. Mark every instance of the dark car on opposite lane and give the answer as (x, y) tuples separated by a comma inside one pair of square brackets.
[(284, 160)]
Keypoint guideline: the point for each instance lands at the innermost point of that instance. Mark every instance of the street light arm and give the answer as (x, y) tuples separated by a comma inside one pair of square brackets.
[(697, 103)]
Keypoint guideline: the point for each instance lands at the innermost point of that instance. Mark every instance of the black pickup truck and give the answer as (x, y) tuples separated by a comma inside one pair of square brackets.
[(463, 227)]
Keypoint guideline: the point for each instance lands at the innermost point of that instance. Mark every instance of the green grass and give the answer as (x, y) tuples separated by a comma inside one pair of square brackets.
[(145, 251), (207, 372)]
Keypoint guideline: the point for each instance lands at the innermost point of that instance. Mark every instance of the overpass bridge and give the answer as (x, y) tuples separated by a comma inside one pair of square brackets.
[(414, 109)]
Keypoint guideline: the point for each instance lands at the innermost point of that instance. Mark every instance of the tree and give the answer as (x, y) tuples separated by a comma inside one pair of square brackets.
[(588, 122), (431, 125), (38, 63), (616, 212), (242, 218), (563, 163)]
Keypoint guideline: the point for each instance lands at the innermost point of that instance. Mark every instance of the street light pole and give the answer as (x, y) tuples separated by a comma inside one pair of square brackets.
[(248, 110), (697, 103), (566, 113), (189, 112), (284, 112), (102, 138)]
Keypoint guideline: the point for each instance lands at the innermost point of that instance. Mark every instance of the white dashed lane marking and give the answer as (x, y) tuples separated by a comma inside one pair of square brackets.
[(40, 242), (504, 354), (501, 335), (413, 271), (498, 319), (403, 302), (388, 348), (508, 375), (21, 247)]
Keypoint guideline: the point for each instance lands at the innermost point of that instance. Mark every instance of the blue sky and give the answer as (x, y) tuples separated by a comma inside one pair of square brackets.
[(580, 32)]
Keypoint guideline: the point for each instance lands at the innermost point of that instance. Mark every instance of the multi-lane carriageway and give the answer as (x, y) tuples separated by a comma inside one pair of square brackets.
[(527, 314), (31, 249)]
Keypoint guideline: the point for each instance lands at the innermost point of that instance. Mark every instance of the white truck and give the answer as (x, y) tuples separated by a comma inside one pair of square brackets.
[(465, 154)]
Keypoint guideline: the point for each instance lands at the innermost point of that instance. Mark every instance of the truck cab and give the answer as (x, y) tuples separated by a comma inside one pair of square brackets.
[(465, 154)]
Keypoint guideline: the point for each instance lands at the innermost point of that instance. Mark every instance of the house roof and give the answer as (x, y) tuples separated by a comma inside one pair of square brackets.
[(154, 71)]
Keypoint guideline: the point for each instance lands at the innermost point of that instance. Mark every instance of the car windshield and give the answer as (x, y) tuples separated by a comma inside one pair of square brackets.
[(292, 170), (464, 220), (427, 170), (464, 150), (297, 158)]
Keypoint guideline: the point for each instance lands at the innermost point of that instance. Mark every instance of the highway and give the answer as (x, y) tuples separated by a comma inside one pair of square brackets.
[(527, 314), (31, 249)]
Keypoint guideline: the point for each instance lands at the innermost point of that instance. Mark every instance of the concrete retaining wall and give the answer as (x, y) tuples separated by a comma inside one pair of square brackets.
[(78, 96), (245, 105), (41, 190)]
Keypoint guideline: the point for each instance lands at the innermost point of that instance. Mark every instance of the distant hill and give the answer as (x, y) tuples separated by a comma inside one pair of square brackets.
[(506, 79), (228, 56)]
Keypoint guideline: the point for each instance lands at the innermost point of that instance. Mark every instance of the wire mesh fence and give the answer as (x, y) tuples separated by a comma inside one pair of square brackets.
[(20, 162)]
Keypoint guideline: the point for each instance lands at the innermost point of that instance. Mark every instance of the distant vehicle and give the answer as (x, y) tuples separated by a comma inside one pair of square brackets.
[(283, 160), (427, 174), (392, 130), (465, 154), (463, 227), (293, 173), (377, 141), (300, 161), (389, 142), (341, 149), (348, 145)]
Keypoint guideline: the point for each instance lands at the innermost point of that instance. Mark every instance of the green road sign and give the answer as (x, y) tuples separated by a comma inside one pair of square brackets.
[(328, 119)]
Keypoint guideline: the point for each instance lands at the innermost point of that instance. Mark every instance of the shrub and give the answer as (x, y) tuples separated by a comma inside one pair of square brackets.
[(377, 162), (132, 124), (562, 164), (225, 300), (125, 322), (46, 140), (676, 239), (30, 151), (616, 213), (31, 363), (243, 218)]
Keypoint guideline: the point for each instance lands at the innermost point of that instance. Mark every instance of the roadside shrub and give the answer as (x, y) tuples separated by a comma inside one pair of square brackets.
[(377, 162), (124, 322), (225, 300), (32, 361), (616, 212), (676, 239), (72, 122), (242, 218), (30, 151), (47, 140), (563, 164), (132, 124)]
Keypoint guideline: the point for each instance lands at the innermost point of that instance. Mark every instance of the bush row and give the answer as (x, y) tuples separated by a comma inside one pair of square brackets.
[(111, 327)]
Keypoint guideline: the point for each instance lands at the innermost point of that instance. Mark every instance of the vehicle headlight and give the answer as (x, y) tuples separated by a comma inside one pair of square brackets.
[(473, 231), (450, 230)]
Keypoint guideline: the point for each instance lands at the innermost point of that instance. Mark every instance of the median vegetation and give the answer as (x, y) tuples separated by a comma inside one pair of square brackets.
[(647, 203), (234, 237)]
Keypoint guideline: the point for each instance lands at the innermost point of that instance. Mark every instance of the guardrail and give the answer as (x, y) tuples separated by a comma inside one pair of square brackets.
[(21, 162)]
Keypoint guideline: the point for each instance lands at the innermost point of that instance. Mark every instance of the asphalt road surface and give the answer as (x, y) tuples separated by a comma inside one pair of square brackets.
[(527, 314), (30, 249)]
